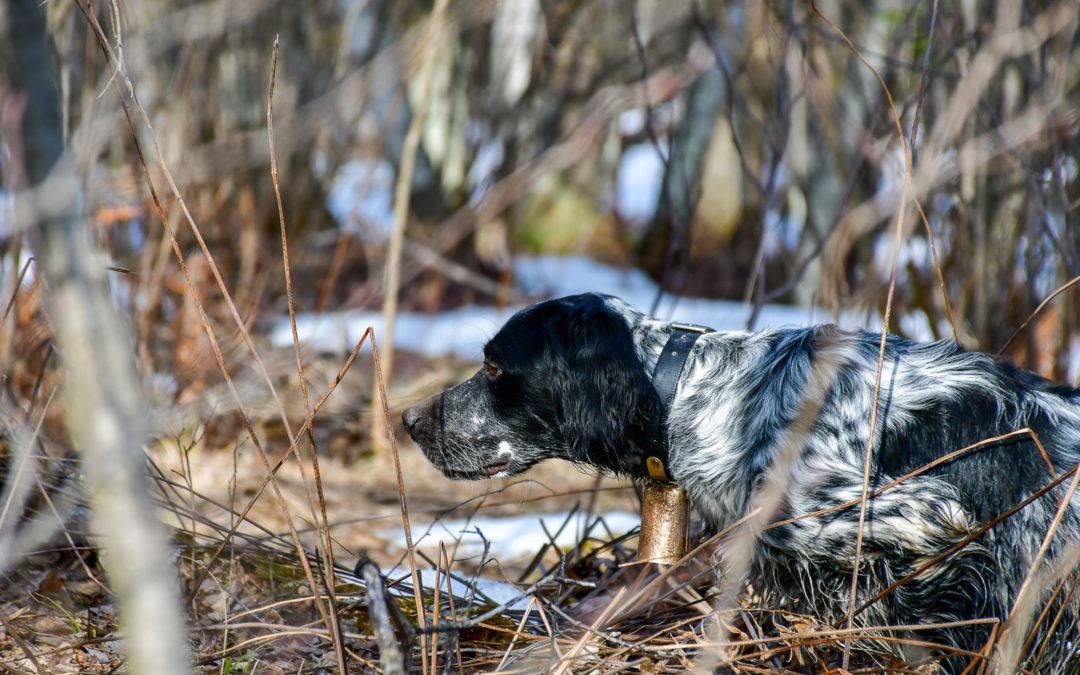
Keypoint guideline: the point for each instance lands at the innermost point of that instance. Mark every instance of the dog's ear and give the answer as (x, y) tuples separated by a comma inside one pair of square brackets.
[(603, 394)]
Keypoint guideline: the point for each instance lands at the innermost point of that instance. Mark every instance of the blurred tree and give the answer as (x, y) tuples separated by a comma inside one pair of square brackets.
[(102, 392)]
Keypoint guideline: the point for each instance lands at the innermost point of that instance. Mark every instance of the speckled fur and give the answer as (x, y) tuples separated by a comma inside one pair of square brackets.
[(573, 382)]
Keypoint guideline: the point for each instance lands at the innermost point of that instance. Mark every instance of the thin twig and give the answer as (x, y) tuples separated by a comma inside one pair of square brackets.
[(517, 633), (406, 527), (1061, 613), (435, 610), (1026, 595), (937, 268), (922, 83), (17, 286), (1061, 289), (915, 159), (26, 649), (309, 422), (450, 597), (403, 188), (391, 656), (600, 621), (884, 327)]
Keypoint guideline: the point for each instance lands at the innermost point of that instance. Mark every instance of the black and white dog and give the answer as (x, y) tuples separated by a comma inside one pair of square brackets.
[(573, 379)]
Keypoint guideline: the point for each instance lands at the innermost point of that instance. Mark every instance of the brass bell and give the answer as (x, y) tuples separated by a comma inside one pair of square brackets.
[(665, 518)]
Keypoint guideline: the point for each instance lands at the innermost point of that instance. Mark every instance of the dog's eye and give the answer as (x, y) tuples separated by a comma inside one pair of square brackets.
[(491, 371)]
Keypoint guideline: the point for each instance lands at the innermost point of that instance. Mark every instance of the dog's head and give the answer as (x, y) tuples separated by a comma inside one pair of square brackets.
[(561, 379)]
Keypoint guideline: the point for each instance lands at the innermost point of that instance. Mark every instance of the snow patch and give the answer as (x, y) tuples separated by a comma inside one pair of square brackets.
[(515, 537), (463, 331)]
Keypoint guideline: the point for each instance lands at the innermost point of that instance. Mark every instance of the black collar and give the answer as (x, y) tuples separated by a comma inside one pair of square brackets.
[(665, 378)]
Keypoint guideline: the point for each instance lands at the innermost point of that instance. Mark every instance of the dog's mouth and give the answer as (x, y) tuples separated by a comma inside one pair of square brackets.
[(492, 469), (472, 474)]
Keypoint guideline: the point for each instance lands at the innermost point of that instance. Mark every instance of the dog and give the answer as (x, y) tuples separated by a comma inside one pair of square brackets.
[(576, 379)]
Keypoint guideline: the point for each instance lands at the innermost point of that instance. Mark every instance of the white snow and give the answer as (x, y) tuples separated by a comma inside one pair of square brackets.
[(463, 331), (514, 537)]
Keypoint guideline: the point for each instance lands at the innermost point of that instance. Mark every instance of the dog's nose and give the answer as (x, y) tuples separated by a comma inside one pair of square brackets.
[(410, 417)]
